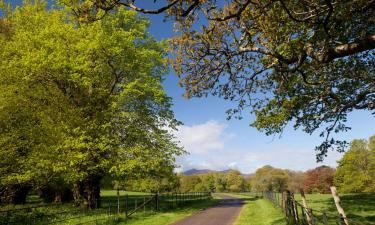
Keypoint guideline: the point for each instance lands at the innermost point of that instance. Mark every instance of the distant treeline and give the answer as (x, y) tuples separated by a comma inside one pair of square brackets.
[(355, 173)]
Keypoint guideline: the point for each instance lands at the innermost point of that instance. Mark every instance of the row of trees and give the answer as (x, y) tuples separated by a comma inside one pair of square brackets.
[(316, 180), (355, 173), (232, 181), (78, 102)]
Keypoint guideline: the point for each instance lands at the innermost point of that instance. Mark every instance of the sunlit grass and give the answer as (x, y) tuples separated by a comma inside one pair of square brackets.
[(258, 211)]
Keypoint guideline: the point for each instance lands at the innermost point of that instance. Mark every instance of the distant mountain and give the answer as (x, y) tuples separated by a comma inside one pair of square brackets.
[(197, 171)]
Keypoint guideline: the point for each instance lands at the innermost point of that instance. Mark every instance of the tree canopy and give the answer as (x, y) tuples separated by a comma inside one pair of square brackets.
[(356, 169), (319, 180), (306, 62), (81, 100)]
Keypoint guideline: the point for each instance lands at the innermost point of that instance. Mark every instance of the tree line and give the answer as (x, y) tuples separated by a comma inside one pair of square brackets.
[(231, 181), (355, 173), (80, 102)]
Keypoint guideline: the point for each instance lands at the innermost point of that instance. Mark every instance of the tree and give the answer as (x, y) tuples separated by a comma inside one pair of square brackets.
[(221, 183), (319, 180), (235, 181), (297, 179), (208, 181), (355, 170), (190, 183), (306, 62), (268, 178), (80, 101)]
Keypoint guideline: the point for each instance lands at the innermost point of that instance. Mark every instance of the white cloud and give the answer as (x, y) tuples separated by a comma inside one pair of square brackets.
[(201, 138), (211, 146)]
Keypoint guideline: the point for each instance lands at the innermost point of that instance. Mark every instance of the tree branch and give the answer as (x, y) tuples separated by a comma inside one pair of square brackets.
[(352, 48), (149, 11)]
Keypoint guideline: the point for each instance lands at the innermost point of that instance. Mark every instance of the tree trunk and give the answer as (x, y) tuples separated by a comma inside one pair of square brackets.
[(92, 193), (56, 193), (87, 193), (15, 194)]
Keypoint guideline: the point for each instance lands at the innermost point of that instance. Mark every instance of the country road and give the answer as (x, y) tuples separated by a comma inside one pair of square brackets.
[(225, 213)]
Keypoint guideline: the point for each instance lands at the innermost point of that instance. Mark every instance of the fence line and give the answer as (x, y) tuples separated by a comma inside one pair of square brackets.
[(123, 207), (299, 214)]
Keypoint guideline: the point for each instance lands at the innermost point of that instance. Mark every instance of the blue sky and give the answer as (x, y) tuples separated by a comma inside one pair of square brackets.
[(215, 143)]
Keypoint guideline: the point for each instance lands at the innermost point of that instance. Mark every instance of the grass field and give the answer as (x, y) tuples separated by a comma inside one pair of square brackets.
[(358, 207), (258, 211), (35, 212)]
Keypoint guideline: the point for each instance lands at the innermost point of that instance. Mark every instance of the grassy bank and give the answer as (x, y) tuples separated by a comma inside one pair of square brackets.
[(258, 211)]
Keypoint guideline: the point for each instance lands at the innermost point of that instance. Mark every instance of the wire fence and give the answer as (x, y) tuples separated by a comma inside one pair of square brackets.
[(298, 214), (111, 211)]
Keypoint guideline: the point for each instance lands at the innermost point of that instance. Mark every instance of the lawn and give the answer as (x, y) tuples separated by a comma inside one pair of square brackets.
[(259, 211)]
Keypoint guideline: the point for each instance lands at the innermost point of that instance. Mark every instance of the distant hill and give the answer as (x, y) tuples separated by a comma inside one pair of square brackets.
[(203, 171), (195, 171)]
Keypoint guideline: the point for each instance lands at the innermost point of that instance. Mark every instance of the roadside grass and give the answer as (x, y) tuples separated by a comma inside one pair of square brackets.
[(258, 211)]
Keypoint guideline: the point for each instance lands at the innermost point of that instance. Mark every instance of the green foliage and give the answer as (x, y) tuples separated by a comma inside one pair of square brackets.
[(79, 101), (268, 178), (319, 180), (190, 183), (232, 181), (356, 170), (308, 63)]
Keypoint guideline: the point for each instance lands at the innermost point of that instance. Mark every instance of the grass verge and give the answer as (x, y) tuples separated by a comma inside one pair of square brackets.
[(258, 211)]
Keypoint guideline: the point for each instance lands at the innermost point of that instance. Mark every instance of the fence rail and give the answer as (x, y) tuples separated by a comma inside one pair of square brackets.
[(117, 208)]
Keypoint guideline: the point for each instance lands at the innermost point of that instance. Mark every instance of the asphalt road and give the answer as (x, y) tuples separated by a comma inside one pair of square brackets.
[(225, 213)]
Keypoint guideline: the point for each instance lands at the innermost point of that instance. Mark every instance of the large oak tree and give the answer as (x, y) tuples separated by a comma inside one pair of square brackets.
[(81, 100)]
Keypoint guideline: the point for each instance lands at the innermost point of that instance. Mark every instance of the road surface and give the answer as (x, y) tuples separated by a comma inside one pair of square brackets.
[(225, 213)]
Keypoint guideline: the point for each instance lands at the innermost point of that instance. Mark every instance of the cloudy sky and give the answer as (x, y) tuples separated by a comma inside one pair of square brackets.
[(215, 143)]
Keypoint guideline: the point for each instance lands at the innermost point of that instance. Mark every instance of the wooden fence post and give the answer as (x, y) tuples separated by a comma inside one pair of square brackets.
[(306, 208), (338, 206), (294, 208)]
